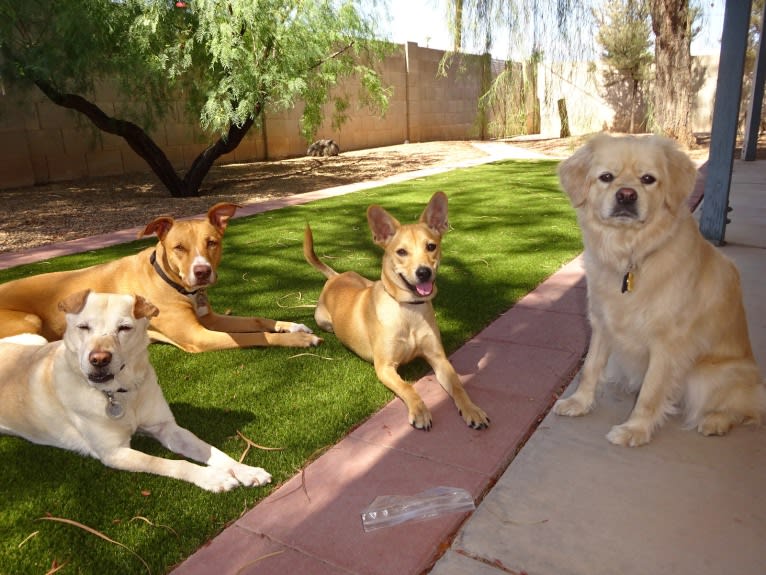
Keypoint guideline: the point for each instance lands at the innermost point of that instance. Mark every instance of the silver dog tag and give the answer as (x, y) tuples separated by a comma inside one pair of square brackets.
[(113, 407)]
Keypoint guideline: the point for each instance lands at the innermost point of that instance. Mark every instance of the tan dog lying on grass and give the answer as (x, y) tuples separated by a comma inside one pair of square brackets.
[(92, 391), (664, 304), (175, 274), (391, 321)]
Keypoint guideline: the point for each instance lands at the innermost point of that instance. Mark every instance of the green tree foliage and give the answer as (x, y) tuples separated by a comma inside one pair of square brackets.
[(625, 35), (226, 61)]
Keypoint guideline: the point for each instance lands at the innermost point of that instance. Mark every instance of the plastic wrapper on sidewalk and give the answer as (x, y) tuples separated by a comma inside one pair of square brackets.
[(390, 510)]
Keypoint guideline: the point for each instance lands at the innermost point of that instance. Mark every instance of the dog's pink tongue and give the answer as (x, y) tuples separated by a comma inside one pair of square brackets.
[(425, 288)]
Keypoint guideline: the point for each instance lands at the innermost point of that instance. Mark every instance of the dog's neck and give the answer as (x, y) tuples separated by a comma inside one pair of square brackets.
[(397, 300), (176, 286), (390, 288)]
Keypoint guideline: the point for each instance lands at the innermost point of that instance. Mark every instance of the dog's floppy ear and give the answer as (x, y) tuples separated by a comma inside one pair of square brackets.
[(75, 302), (435, 214), (681, 174), (219, 215), (160, 226), (144, 308), (573, 174), (382, 224)]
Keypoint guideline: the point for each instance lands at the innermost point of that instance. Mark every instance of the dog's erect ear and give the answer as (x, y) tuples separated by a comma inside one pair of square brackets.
[(681, 174), (144, 308), (220, 214), (383, 225), (161, 226), (573, 173), (435, 214), (74, 302)]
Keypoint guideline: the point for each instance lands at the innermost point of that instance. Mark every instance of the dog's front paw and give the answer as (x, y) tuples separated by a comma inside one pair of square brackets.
[(290, 327), (250, 476), (629, 434), (420, 416), (309, 339), (572, 406), (475, 417), (215, 479)]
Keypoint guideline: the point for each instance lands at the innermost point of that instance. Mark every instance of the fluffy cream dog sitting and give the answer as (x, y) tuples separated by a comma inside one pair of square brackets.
[(664, 304)]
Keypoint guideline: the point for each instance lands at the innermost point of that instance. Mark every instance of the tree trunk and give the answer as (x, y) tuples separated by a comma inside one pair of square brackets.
[(671, 22), (140, 142)]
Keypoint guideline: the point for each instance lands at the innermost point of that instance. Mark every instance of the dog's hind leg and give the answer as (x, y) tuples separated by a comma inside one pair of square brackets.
[(720, 396)]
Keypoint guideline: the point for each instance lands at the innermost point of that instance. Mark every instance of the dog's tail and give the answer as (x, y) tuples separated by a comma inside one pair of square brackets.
[(311, 257)]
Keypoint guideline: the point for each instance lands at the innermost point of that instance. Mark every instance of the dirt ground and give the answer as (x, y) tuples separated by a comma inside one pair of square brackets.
[(61, 211)]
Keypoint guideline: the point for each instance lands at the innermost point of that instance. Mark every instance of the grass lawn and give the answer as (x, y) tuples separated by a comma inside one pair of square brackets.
[(511, 227)]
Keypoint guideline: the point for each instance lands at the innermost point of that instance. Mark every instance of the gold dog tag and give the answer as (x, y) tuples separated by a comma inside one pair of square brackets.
[(627, 282)]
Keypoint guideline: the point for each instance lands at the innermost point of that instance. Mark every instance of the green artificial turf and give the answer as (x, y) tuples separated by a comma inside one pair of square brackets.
[(511, 227)]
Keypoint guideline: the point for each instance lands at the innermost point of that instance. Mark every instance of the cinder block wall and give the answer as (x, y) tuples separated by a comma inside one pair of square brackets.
[(41, 142)]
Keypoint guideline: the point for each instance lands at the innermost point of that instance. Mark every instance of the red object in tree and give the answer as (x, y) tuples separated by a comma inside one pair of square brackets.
[(180, 4)]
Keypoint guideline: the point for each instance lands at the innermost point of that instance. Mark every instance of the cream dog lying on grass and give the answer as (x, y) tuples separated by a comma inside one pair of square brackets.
[(93, 390)]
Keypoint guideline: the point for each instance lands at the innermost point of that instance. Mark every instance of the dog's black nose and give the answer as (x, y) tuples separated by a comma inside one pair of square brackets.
[(99, 358), (202, 273), (423, 273), (626, 196)]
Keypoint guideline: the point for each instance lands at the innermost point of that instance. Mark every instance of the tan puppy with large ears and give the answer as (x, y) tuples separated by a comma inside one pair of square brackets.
[(91, 391), (664, 304), (391, 321)]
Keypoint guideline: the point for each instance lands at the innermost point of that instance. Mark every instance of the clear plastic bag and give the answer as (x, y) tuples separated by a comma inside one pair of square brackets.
[(389, 510)]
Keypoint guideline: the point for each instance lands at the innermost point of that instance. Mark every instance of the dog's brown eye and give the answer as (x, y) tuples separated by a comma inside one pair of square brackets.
[(431, 246), (606, 177), (180, 249), (401, 252), (211, 244), (647, 179)]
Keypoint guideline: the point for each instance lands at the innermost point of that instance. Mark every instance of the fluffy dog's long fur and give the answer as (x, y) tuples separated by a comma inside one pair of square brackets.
[(664, 304)]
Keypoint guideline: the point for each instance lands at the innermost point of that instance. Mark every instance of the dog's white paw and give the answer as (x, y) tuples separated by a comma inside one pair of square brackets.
[(290, 327), (572, 406), (251, 476), (215, 479), (300, 327), (629, 435)]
